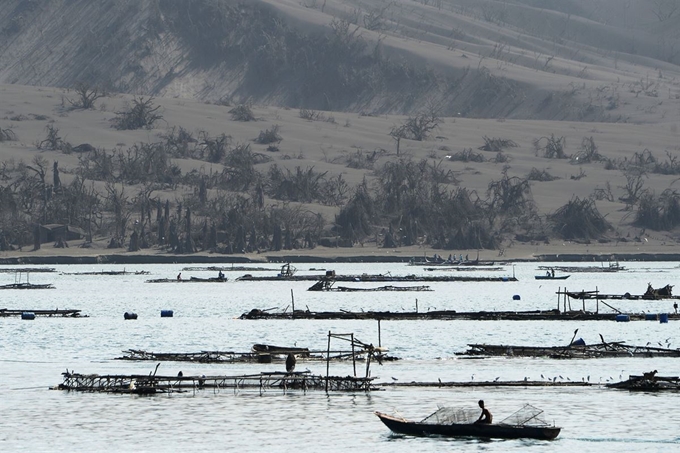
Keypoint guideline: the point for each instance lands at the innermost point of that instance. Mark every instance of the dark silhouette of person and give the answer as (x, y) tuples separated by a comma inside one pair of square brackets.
[(485, 417), (180, 374), (220, 275), (290, 362), (179, 276)]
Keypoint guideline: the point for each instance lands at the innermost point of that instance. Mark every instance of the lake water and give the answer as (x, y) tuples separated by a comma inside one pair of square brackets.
[(33, 354)]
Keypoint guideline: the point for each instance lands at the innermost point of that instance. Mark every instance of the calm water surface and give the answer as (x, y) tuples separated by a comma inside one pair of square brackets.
[(33, 354)]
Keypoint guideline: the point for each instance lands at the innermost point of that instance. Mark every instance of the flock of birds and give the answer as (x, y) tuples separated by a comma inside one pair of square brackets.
[(553, 379)]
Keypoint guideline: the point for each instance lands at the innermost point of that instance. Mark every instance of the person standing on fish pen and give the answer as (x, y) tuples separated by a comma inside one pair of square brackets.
[(179, 276), (290, 362), (485, 417)]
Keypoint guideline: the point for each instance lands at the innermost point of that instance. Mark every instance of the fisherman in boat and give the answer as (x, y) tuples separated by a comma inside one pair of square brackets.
[(485, 417), (547, 273), (220, 275), (552, 272), (179, 276)]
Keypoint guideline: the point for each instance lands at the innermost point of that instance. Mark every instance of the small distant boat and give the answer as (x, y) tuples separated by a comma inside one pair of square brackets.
[(436, 425), (551, 277)]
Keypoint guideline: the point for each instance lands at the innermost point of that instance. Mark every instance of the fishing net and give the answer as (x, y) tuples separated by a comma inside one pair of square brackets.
[(449, 415), (527, 415)]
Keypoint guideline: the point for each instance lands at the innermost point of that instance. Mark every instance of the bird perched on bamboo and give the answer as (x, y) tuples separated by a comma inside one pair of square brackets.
[(290, 362)]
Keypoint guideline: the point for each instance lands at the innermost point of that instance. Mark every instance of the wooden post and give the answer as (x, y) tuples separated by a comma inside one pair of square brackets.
[(292, 298), (368, 362), (354, 357), (416, 305), (379, 343), (328, 358)]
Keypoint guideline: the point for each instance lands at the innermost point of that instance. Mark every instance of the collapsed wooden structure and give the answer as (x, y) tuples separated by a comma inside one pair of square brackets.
[(573, 351), (102, 272), (4, 312), (25, 270), (663, 293), (610, 267), (19, 284), (152, 384), (378, 278), (648, 382), (327, 284), (262, 355), (189, 280), (446, 315)]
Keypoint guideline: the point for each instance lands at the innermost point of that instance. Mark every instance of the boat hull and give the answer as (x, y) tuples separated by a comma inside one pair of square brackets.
[(545, 277), (498, 431)]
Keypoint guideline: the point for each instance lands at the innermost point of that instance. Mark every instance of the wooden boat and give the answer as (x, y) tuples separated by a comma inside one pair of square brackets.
[(551, 277), (429, 427)]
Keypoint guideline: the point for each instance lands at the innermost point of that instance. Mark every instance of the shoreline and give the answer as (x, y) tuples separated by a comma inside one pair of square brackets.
[(325, 257)]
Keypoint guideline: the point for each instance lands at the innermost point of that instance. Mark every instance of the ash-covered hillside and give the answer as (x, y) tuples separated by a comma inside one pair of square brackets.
[(605, 60)]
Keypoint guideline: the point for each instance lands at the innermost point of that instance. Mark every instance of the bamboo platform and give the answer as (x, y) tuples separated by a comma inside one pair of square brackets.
[(536, 315), (4, 312), (152, 384)]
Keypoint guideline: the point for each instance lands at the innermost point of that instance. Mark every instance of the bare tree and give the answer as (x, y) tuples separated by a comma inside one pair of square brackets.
[(86, 96), (142, 114)]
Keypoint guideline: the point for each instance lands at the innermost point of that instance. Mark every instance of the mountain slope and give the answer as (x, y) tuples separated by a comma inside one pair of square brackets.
[(572, 60)]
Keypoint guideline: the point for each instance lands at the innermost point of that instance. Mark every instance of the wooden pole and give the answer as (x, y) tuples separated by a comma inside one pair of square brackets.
[(368, 361), (292, 298), (379, 343), (354, 357), (328, 359)]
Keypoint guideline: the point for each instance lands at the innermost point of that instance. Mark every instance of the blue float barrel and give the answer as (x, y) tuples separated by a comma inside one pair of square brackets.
[(27, 315), (167, 313), (622, 318), (516, 297), (650, 317), (130, 315), (663, 318), (579, 342)]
